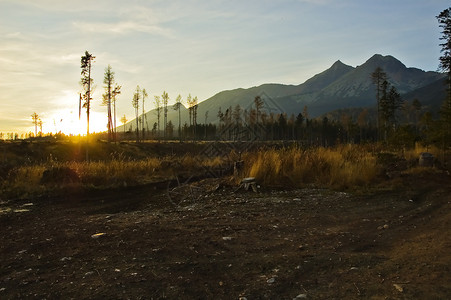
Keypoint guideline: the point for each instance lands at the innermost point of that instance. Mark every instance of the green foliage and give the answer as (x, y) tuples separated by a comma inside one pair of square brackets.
[(444, 19)]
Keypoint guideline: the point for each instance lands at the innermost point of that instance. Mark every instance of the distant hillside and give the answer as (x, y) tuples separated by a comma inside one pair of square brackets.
[(339, 87), (355, 88)]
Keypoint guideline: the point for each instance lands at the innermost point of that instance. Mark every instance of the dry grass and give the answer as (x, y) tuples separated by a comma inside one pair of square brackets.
[(25, 180), (414, 154), (339, 167)]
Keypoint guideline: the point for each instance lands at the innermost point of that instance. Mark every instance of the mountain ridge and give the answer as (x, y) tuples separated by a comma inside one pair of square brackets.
[(339, 87)]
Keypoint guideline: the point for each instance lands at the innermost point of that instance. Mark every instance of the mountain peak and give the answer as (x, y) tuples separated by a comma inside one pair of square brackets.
[(385, 62), (338, 65)]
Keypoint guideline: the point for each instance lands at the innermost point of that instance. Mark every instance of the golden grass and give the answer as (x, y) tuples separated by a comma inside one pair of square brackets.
[(339, 167), (414, 153), (26, 179)]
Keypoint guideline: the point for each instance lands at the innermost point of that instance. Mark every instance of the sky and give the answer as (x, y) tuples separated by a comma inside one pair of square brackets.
[(197, 47)]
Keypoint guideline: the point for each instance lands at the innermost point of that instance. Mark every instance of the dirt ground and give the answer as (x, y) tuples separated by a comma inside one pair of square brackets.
[(219, 243)]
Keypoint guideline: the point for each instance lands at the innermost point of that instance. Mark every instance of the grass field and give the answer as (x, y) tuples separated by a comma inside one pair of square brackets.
[(38, 168)]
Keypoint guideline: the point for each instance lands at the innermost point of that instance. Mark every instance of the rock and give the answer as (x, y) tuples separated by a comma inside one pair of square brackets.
[(300, 296), (271, 280), (227, 238), (97, 235), (383, 227), (398, 287), (65, 258), (426, 160)]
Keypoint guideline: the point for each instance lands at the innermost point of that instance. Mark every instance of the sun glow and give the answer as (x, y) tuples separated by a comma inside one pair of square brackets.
[(68, 121)]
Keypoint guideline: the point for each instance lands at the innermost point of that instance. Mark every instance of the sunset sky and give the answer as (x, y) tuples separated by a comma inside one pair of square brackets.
[(198, 47)]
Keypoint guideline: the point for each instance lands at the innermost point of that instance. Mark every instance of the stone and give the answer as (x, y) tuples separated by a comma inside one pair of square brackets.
[(97, 235), (398, 287), (271, 280)]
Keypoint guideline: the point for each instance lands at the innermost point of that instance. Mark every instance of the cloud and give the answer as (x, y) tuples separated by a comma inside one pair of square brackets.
[(122, 27)]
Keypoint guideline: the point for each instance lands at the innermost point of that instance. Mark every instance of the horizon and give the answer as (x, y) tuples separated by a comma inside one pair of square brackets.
[(203, 48)]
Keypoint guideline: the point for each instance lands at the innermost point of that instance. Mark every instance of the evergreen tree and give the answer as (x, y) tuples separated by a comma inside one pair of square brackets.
[(444, 19), (379, 77)]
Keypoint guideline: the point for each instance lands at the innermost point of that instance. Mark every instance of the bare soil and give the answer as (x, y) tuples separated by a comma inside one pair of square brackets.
[(219, 243)]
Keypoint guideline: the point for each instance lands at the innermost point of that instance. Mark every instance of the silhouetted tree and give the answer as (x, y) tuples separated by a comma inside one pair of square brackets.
[(379, 77), (165, 99), (390, 102), (108, 80), (124, 121), (298, 123), (86, 82), (144, 117), (178, 103), (170, 129), (195, 106), (40, 126), (362, 122), (116, 91), (444, 19), (35, 118), (135, 103), (189, 102), (157, 102)]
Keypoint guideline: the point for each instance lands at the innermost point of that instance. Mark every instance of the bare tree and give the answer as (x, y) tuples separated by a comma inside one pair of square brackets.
[(189, 102), (195, 106), (116, 91), (35, 118), (135, 103), (108, 80), (124, 121), (165, 99), (157, 102), (144, 96), (178, 103), (86, 82), (40, 126)]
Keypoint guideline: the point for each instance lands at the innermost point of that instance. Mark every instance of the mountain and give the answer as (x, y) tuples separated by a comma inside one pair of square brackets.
[(339, 87), (355, 88), (431, 96)]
